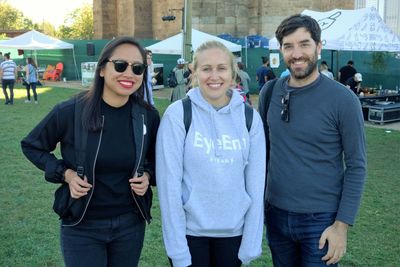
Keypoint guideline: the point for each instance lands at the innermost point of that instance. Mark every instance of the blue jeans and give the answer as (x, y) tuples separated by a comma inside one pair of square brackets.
[(293, 238), (10, 84), (28, 89), (116, 241)]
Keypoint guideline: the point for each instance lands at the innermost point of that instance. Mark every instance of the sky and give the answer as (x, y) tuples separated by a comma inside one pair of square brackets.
[(52, 11)]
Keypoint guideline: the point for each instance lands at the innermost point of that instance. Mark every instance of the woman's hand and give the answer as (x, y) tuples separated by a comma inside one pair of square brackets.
[(77, 187), (139, 185)]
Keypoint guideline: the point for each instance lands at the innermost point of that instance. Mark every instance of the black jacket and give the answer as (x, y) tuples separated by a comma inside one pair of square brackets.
[(58, 127)]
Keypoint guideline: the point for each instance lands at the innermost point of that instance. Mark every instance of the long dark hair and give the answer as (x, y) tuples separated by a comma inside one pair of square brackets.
[(32, 62), (91, 117)]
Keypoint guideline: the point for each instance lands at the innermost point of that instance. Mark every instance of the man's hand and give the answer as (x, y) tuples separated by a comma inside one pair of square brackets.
[(140, 184), (77, 187), (336, 235)]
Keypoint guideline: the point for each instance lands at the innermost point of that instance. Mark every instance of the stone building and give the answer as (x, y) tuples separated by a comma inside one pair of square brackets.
[(142, 18)]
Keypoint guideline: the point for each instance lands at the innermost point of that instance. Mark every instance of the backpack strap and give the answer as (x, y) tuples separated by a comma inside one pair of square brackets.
[(248, 113), (263, 106), (268, 87), (187, 114), (141, 111), (80, 138)]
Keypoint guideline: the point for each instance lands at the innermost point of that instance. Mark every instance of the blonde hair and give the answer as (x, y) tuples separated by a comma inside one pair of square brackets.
[(323, 66), (213, 45)]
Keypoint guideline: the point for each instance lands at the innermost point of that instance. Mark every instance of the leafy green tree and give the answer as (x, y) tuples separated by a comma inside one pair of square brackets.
[(80, 23), (48, 28), (13, 19)]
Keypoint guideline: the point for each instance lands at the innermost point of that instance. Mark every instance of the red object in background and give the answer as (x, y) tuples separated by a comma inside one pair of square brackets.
[(54, 74), (20, 52)]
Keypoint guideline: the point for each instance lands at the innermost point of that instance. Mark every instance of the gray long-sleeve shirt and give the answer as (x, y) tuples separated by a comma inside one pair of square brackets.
[(318, 158)]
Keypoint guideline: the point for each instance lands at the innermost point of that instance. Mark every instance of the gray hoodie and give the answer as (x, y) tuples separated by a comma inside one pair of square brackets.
[(210, 182)]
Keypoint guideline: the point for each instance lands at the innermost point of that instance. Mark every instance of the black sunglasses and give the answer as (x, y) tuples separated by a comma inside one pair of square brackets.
[(285, 107), (121, 65)]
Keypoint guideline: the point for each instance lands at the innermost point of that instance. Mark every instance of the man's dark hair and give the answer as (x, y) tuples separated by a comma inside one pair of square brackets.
[(350, 62), (265, 60), (294, 22)]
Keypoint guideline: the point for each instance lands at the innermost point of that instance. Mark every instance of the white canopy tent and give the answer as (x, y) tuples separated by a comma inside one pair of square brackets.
[(173, 44), (352, 30), (34, 40)]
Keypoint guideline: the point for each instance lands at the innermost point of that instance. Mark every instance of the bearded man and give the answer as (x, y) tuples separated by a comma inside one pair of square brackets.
[(317, 164)]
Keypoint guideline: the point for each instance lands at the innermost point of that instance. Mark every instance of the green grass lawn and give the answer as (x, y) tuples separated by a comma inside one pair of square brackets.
[(29, 230)]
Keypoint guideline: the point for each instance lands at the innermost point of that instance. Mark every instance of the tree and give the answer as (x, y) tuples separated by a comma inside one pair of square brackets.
[(80, 24), (48, 28), (13, 19)]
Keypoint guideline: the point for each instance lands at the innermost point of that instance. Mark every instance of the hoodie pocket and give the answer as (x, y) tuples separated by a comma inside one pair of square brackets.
[(216, 213)]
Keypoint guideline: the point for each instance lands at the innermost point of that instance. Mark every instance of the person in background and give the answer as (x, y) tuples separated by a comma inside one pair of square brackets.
[(150, 78), (245, 79), (285, 73), (346, 72), (109, 194), (323, 69), (323, 62), (354, 83), (317, 165), (179, 91), (188, 75), (264, 73), (8, 74), (210, 180), (31, 79)]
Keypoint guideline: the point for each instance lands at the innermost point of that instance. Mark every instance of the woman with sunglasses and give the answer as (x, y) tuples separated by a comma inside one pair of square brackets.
[(210, 179), (104, 221)]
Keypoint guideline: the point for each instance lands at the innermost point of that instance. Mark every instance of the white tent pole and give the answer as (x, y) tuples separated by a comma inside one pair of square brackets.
[(245, 47), (76, 67), (35, 57)]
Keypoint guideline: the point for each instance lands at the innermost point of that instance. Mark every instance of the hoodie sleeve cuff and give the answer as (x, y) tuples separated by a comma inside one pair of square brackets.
[(182, 262)]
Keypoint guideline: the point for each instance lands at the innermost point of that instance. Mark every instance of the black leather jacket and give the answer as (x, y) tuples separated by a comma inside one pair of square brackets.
[(58, 127)]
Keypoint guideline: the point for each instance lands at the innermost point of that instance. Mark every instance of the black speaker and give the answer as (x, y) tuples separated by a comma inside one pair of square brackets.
[(90, 49)]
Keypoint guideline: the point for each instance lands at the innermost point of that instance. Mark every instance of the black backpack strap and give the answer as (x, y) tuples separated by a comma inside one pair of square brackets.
[(80, 138), (248, 113), (266, 92), (263, 106), (187, 112)]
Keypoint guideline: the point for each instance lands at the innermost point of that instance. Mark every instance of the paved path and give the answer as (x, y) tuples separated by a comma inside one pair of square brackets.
[(166, 93)]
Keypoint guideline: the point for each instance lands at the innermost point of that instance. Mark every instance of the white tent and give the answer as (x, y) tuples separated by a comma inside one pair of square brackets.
[(173, 44), (352, 30), (34, 40)]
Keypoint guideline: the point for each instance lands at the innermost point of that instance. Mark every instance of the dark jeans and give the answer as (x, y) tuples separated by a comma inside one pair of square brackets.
[(28, 87), (293, 238), (214, 252), (117, 242), (10, 84)]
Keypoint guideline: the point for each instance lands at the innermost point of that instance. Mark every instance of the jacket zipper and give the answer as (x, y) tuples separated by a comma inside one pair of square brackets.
[(94, 165), (137, 167)]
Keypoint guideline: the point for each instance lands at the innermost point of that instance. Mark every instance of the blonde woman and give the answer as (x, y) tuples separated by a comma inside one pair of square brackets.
[(211, 179)]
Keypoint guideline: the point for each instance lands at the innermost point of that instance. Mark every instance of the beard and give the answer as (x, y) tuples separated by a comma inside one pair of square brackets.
[(304, 73)]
